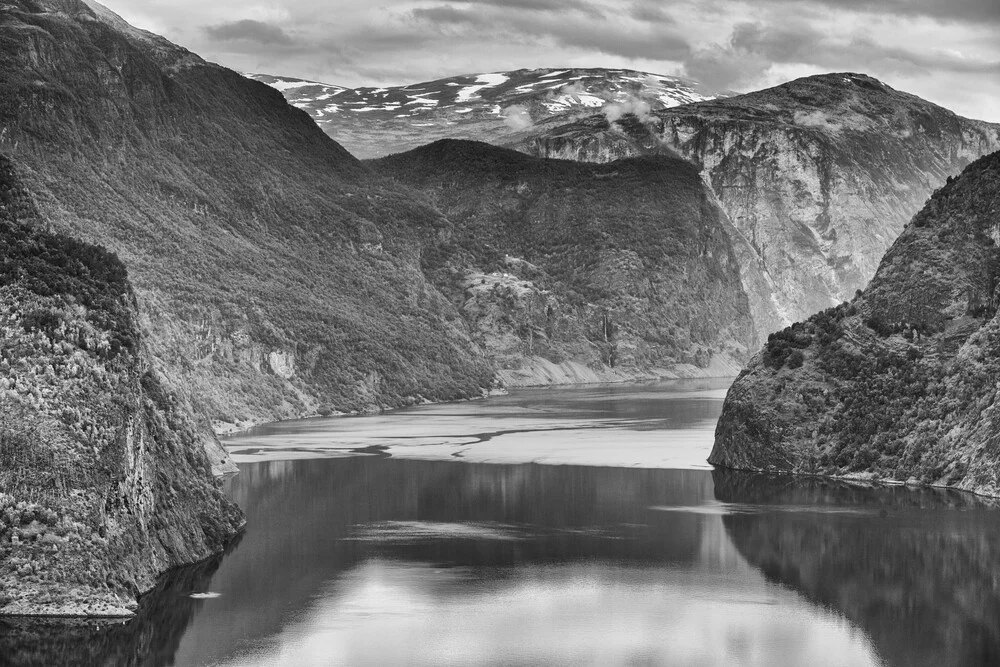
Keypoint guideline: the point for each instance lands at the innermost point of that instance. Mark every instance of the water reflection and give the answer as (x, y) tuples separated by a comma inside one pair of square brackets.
[(383, 561), (919, 570), (313, 521), (151, 638), (368, 560)]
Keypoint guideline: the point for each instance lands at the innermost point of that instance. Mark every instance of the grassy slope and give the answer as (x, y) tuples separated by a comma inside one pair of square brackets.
[(903, 381), (637, 241), (278, 275)]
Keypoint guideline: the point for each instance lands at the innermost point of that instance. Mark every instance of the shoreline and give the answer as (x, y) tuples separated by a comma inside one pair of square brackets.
[(678, 372), (860, 480), (113, 607)]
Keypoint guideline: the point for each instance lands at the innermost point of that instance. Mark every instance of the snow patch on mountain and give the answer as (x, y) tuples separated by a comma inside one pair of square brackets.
[(483, 81), (374, 121)]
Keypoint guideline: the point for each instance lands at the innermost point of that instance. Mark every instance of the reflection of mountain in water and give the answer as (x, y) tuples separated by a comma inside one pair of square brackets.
[(919, 571), (520, 515), (151, 638), (915, 570)]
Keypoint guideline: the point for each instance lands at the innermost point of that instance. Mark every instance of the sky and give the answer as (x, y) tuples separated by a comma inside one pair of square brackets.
[(946, 51)]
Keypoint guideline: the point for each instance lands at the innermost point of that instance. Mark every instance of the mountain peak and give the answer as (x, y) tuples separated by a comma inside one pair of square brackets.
[(838, 101)]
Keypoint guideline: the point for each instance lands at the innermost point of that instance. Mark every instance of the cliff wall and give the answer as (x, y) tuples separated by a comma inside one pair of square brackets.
[(104, 479), (818, 175), (901, 383)]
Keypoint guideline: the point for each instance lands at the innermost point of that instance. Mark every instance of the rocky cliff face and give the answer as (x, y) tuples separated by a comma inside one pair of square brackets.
[(565, 269), (277, 276), (901, 383), (818, 175), (104, 480)]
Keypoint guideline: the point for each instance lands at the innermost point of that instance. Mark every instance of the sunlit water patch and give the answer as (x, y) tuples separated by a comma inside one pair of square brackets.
[(659, 425)]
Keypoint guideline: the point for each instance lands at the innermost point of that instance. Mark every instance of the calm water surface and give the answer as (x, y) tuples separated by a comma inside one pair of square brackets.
[(419, 552)]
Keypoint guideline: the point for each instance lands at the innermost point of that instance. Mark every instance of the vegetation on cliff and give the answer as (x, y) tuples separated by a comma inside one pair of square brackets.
[(901, 383), (624, 265), (104, 482)]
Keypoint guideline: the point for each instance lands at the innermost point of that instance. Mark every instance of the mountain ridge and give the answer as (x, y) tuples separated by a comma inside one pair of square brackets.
[(625, 265), (277, 275), (818, 174), (496, 106)]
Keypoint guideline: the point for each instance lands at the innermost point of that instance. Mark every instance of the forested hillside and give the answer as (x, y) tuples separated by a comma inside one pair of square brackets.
[(901, 383), (625, 266), (276, 274)]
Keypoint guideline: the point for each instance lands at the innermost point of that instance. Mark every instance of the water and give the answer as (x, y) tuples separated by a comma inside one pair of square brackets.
[(663, 425), (431, 557)]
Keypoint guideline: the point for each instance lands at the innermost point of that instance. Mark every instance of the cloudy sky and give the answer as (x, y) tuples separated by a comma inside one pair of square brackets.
[(947, 51)]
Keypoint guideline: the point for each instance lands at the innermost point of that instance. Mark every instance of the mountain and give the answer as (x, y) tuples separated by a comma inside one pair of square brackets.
[(563, 267), (819, 175), (495, 107), (105, 480), (276, 275), (901, 383)]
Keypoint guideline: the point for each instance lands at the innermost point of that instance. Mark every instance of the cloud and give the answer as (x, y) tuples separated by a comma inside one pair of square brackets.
[(248, 30), (445, 14), (660, 43), (632, 105), (815, 119), (754, 48), (557, 6), (944, 50), (569, 24), (649, 11), (975, 11), (517, 117)]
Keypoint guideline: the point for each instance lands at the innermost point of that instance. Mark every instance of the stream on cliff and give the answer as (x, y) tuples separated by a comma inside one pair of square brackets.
[(437, 535)]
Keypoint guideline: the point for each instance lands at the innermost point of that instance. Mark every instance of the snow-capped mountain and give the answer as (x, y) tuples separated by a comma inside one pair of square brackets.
[(493, 107)]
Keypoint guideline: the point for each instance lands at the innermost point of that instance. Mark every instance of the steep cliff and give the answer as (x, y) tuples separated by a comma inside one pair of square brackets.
[(901, 383), (104, 482), (623, 268), (819, 175), (276, 274)]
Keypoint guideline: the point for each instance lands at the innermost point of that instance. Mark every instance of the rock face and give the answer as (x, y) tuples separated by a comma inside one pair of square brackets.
[(494, 107), (901, 383), (818, 175), (104, 480), (567, 269), (276, 275)]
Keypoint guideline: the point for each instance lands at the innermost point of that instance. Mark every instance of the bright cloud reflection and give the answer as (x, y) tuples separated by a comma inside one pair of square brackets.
[(397, 613)]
